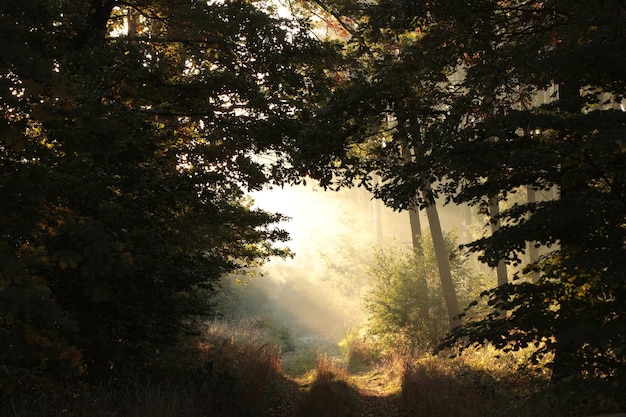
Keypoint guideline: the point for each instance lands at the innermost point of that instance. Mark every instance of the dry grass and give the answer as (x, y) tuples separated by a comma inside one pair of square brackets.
[(135, 400), (432, 388), (330, 394), (242, 366), (329, 369), (230, 376), (235, 369), (484, 382), (360, 353)]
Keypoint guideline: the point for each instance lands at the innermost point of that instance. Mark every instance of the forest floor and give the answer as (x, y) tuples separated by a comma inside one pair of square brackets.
[(373, 395)]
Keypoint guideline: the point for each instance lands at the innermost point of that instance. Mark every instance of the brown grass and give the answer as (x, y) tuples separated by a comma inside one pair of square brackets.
[(230, 376), (236, 371), (431, 388), (330, 395)]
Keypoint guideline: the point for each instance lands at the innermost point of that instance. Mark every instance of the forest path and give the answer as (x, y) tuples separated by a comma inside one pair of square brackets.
[(375, 396), (379, 396)]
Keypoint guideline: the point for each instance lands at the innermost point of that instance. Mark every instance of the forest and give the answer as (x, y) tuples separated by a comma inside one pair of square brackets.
[(459, 166)]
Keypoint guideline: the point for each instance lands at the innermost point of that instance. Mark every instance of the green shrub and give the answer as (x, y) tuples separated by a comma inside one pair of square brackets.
[(405, 306)]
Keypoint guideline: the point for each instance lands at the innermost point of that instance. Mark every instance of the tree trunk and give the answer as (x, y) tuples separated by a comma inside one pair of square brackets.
[(416, 230), (533, 252), (414, 214), (494, 220), (494, 211), (378, 223), (443, 261), (567, 361), (132, 20)]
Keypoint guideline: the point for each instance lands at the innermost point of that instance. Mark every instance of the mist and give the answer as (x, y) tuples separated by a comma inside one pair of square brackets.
[(318, 294)]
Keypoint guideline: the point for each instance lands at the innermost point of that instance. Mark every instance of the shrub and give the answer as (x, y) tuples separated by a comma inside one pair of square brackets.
[(405, 307), (359, 351)]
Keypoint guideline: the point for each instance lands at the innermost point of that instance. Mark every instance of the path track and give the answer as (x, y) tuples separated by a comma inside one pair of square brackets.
[(376, 397)]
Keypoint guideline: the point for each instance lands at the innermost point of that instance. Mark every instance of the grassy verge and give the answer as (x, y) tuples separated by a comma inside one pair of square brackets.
[(229, 375), (236, 371)]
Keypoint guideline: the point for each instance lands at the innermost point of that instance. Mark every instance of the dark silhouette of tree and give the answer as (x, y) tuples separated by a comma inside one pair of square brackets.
[(129, 132)]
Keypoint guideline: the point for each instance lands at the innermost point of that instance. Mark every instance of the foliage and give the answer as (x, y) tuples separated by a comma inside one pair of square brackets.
[(489, 97), (359, 350), (129, 132), (405, 306)]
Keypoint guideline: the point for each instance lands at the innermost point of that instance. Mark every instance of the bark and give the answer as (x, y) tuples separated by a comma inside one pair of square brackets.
[(443, 262), (95, 31), (414, 214), (494, 211), (376, 208), (494, 220), (533, 252), (416, 230)]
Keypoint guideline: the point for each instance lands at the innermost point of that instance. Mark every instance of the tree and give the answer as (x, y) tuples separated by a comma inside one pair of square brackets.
[(455, 74), (358, 121), (129, 134)]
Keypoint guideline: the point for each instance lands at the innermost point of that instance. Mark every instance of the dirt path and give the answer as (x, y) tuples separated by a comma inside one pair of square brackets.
[(379, 397), (376, 397)]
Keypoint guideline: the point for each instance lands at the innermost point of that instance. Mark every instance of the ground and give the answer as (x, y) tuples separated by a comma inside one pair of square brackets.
[(376, 396)]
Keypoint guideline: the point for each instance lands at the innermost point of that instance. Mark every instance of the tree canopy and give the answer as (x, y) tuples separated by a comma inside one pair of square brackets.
[(491, 97), (130, 131)]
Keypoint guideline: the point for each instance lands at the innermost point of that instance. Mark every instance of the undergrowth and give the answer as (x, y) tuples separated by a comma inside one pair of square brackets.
[(330, 394), (229, 374), (236, 369)]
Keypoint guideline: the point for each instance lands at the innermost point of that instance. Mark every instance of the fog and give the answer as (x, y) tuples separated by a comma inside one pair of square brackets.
[(318, 294)]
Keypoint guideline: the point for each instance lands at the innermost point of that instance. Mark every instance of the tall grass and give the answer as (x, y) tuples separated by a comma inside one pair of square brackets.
[(432, 388), (330, 395), (233, 369), (487, 382)]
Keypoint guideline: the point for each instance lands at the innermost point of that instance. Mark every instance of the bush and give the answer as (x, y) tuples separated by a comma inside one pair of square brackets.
[(405, 306), (406, 309), (359, 351)]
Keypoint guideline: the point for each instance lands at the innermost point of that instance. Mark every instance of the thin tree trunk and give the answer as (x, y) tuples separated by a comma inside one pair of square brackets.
[(376, 207), (494, 211), (443, 261), (439, 244), (416, 230), (132, 20), (414, 214), (533, 252), (494, 220)]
